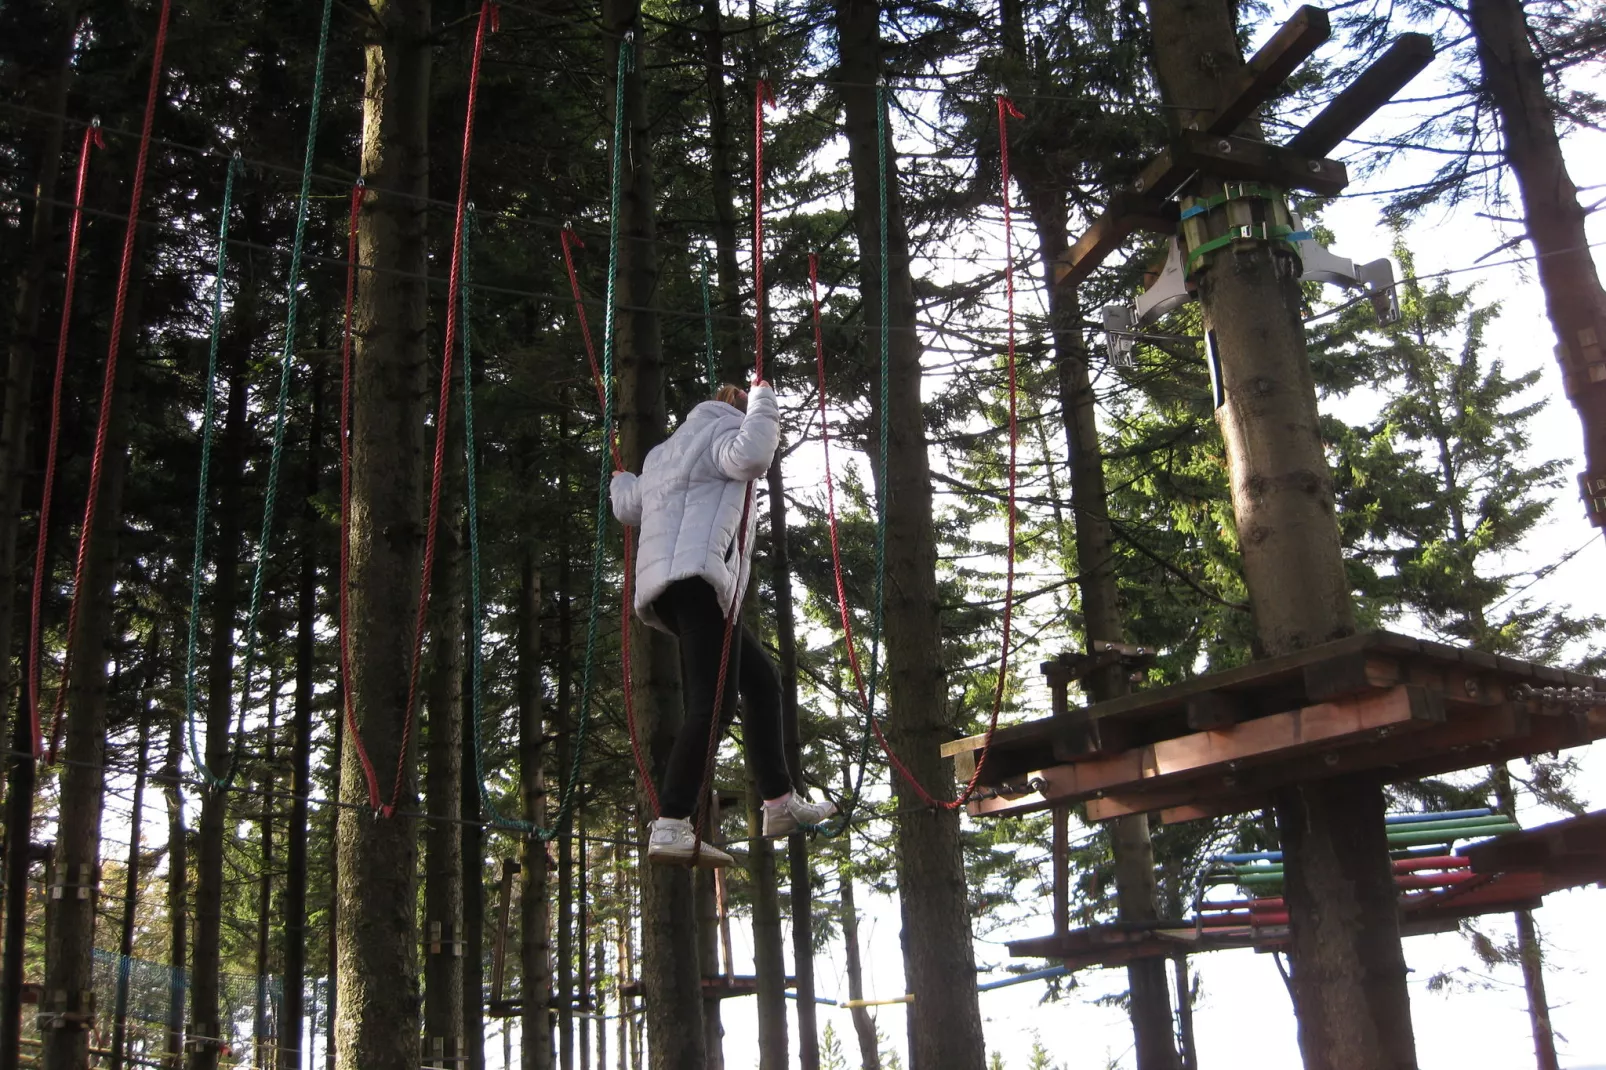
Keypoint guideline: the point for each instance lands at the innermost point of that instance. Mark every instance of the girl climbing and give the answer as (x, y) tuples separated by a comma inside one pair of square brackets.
[(691, 502)]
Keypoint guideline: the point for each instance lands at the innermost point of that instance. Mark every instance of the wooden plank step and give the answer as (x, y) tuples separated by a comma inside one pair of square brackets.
[(1169, 763)]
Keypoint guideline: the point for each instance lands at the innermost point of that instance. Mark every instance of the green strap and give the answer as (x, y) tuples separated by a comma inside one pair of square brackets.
[(286, 363), (203, 482), (1267, 232), (708, 333)]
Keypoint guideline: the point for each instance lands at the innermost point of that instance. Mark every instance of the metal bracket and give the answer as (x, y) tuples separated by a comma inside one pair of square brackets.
[(1375, 277), (445, 938), (1169, 292), (1118, 334), (61, 1009)]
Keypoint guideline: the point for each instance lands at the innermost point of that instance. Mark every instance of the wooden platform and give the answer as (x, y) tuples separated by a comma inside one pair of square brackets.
[(1377, 702), (1510, 873)]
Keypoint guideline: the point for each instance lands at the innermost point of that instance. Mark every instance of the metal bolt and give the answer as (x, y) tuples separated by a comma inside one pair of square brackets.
[(1223, 145), (1139, 184), (1313, 166)]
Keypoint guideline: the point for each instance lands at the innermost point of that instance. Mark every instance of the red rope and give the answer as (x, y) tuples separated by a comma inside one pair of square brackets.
[(97, 463), (1006, 109), (370, 775), (571, 241), (762, 97), (830, 490), (92, 140), (488, 22)]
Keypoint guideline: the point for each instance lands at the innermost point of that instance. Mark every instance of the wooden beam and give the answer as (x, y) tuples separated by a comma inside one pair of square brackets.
[(1247, 160), (1406, 58), (1256, 82), (1129, 211)]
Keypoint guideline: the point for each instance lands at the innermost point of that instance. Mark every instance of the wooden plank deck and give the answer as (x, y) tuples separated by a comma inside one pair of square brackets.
[(1220, 743)]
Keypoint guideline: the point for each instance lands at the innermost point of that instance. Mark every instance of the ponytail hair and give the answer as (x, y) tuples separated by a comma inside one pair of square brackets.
[(732, 395)]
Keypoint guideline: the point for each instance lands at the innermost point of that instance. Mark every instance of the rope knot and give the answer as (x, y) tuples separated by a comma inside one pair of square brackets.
[(1007, 107)]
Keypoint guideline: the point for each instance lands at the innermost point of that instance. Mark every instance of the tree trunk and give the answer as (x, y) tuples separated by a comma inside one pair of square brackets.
[(669, 963), (22, 773), (1514, 78), (863, 1024), (708, 889), (378, 1023), (535, 948), (70, 921), (1190, 1054), (206, 1024), (732, 355), (581, 943), (944, 1021), (1529, 951), (178, 881), (769, 949), (262, 1032), (18, 392), (473, 848), (291, 1030), (125, 941), (563, 994), (331, 1012), (443, 839), (1348, 968), (802, 873)]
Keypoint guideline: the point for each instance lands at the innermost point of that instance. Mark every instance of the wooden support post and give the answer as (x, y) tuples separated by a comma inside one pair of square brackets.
[(1253, 83), (1062, 870)]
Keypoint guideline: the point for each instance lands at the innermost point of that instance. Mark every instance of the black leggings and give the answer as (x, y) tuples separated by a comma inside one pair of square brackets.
[(691, 609)]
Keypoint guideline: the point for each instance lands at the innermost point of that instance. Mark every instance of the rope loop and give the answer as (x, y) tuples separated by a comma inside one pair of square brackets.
[(92, 140), (108, 389)]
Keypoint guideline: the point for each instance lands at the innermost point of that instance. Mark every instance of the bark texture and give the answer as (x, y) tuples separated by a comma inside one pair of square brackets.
[(377, 1024), (1514, 78), (535, 948)]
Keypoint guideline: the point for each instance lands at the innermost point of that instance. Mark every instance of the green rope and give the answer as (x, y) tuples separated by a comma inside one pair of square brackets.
[(203, 492), (708, 332), (845, 820), (286, 363), (476, 599)]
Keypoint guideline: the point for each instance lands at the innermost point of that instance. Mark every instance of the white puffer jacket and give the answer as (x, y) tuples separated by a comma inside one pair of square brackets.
[(688, 499)]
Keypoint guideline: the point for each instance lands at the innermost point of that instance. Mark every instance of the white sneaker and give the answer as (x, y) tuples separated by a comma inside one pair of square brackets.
[(671, 841), (793, 812)]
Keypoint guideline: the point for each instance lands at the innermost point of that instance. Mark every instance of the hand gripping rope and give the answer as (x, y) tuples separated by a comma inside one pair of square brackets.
[(92, 140), (97, 463), (1006, 110)]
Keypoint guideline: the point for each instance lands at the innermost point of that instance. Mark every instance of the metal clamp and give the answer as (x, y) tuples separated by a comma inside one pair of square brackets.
[(445, 938), (87, 884), (61, 1009)]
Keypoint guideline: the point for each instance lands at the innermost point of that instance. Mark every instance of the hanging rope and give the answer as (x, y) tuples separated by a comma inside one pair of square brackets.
[(92, 140), (762, 98), (710, 366), (866, 691), (281, 406), (203, 481), (571, 241), (1005, 109), (488, 22), (370, 774), (108, 388)]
